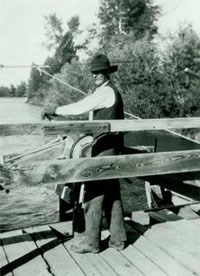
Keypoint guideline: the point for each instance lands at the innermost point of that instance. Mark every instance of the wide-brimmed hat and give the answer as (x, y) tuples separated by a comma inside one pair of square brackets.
[(101, 63)]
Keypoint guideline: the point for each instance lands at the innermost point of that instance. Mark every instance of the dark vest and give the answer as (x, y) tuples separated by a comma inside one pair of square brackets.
[(115, 112)]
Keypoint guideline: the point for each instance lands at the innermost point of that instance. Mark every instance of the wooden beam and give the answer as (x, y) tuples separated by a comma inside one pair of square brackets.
[(55, 128), (154, 124), (170, 182), (85, 127), (21, 129), (87, 169), (67, 127), (164, 215)]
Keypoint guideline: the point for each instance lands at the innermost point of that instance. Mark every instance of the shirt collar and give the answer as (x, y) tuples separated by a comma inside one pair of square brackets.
[(105, 83)]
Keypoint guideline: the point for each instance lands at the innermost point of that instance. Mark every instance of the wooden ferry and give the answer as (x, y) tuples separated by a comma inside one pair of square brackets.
[(167, 162)]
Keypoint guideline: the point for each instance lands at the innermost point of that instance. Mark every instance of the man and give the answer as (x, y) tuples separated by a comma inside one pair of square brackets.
[(104, 104)]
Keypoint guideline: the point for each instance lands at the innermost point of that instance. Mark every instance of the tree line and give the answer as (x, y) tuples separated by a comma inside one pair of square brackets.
[(14, 91), (151, 75)]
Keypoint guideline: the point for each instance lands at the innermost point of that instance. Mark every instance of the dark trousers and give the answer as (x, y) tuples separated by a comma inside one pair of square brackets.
[(103, 195)]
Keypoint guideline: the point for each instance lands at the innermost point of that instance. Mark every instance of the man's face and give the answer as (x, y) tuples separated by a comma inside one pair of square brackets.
[(99, 79)]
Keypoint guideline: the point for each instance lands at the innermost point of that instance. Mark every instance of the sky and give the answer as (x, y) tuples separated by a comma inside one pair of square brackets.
[(22, 28)]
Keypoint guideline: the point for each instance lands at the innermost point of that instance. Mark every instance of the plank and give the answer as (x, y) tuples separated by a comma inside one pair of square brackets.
[(166, 140), (184, 252), (186, 226), (86, 169), (164, 215), (195, 222), (21, 129), (165, 262), (142, 263), (64, 228), (3, 256), (70, 127), (95, 264), (83, 261), (176, 233), (15, 250), (140, 217), (187, 213), (155, 124), (121, 265), (130, 257), (160, 140), (183, 228), (55, 128), (196, 208), (59, 260), (3, 260), (101, 265), (170, 182)]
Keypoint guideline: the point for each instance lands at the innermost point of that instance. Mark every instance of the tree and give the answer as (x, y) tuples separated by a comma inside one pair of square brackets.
[(54, 31), (34, 83), (64, 51), (12, 90), (75, 74), (125, 16), (73, 25), (21, 89), (184, 52), (4, 91), (64, 46)]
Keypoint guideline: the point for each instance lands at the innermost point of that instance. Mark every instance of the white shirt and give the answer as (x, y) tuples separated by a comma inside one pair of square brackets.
[(103, 97)]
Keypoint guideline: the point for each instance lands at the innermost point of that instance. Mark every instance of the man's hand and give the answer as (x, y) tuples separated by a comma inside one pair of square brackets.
[(48, 110)]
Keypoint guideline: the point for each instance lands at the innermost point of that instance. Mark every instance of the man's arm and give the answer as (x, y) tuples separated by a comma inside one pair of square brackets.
[(103, 97)]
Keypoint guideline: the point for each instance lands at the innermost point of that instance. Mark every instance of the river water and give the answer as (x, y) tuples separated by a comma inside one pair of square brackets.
[(23, 206), (26, 206)]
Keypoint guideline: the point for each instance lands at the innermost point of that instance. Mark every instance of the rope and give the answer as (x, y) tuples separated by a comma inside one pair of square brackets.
[(126, 113), (187, 71), (39, 67), (78, 90), (64, 83), (23, 66)]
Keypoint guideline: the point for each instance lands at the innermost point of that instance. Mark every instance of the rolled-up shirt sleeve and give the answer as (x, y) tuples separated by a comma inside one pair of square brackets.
[(103, 97)]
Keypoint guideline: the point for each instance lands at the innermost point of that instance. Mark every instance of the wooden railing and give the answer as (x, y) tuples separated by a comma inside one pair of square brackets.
[(85, 169), (67, 127)]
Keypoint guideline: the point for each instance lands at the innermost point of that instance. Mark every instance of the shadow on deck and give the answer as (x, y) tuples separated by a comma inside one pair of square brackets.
[(170, 248)]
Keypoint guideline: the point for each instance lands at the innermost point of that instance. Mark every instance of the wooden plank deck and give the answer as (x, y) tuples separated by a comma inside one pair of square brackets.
[(170, 248)]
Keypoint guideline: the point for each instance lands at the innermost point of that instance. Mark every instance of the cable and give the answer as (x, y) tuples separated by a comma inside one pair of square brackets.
[(23, 66), (126, 113), (38, 67), (47, 66), (64, 83), (78, 90), (187, 70)]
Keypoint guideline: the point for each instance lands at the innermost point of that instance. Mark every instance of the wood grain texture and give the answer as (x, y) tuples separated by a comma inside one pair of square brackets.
[(155, 124), (157, 255), (21, 129), (63, 127), (86, 169), (186, 253), (170, 248), (17, 250), (54, 128), (87, 127), (59, 261)]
